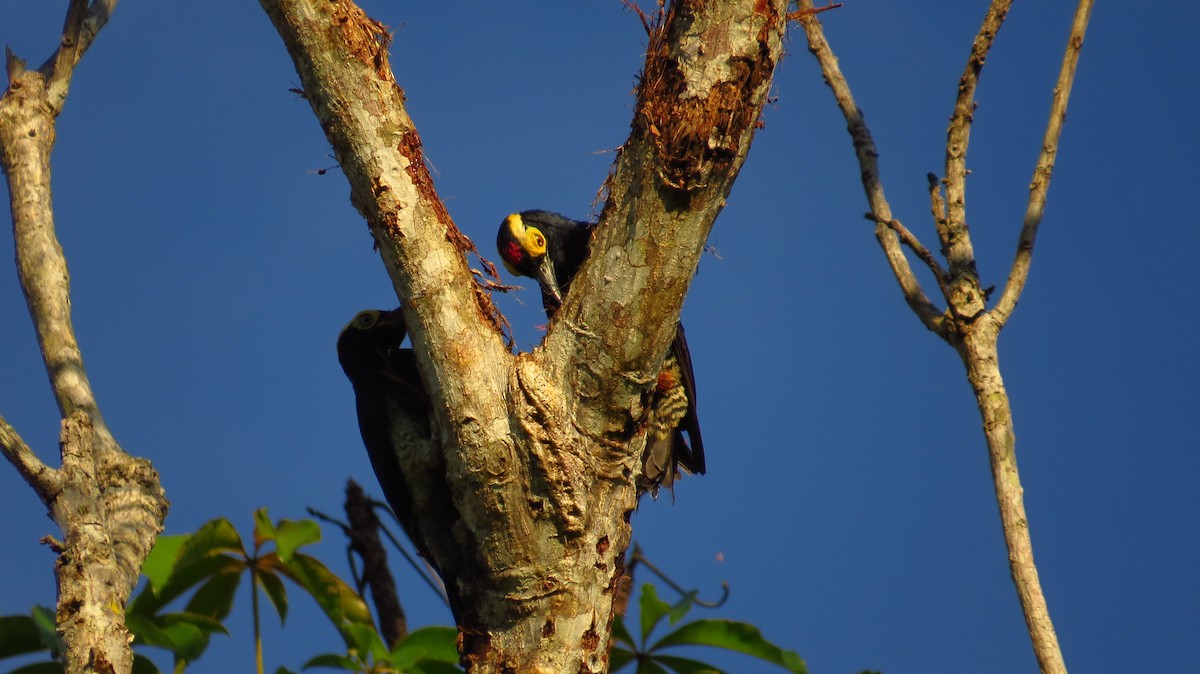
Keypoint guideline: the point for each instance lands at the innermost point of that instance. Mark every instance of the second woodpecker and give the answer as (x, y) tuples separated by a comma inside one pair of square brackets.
[(550, 248)]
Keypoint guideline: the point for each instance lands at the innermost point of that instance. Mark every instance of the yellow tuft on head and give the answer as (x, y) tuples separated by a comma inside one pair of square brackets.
[(530, 238)]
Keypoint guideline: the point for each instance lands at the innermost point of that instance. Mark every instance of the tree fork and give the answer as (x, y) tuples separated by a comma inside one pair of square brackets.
[(531, 483)]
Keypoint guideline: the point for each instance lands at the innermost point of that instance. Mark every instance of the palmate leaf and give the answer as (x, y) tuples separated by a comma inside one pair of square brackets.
[(734, 636), (182, 562)]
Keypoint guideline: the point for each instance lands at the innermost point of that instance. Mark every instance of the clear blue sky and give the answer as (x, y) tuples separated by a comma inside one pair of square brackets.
[(848, 501)]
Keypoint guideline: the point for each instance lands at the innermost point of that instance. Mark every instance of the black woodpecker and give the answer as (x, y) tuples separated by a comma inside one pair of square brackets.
[(550, 248), (387, 384)]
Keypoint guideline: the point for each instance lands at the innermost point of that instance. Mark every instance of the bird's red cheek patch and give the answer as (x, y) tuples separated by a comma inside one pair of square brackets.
[(511, 252)]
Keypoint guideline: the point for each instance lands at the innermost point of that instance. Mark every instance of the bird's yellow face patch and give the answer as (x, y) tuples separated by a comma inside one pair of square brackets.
[(525, 245)]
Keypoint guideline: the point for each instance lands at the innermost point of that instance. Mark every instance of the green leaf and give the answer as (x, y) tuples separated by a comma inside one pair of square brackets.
[(184, 636), (433, 667), (686, 665), (339, 601), (275, 591), (367, 641), (734, 636), (143, 665), (264, 529), (204, 623), (40, 668), (291, 534), (145, 630), (679, 610), (215, 597), (653, 609), (161, 561), (334, 661), (47, 625), (199, 557), (189, 640), (284, 670), (19, 634), (620, 633), (619, 657), (436, 643), (650, 667)]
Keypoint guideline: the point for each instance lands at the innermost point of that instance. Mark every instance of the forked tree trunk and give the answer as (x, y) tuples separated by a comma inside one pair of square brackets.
[(524, 499)]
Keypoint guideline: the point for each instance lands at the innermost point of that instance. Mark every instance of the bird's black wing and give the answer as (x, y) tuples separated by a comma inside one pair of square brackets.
[(691, 457)]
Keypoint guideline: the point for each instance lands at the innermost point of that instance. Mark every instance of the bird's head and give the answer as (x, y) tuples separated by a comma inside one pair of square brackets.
[(365, 342), (523, 247)]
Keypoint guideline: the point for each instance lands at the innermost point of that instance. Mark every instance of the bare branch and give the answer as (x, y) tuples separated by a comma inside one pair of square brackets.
[(46, 481), (956, 240), (1045, 166), (80, 27), (868, 160), (914, 244)]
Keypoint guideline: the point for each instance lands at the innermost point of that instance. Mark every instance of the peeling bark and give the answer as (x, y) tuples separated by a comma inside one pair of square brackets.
[(524, 498)]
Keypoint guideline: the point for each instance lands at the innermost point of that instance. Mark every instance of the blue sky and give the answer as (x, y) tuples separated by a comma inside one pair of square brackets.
[(848, 501)]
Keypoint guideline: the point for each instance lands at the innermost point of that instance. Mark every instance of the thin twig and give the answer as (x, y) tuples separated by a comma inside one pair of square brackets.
[(639, 557), (1045, 166), (956, 239), (868, 159), (46, 481), (914, 244)]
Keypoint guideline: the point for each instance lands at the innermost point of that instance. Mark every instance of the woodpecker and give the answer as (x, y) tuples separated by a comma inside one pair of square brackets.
[(386, 385), (550, 248)]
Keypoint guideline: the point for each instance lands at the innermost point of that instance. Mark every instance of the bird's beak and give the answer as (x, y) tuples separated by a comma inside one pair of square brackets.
[(546, 279), (393, 317)]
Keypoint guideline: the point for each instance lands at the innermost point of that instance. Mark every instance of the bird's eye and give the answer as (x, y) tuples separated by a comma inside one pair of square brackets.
[(366, 319), (538, 241)]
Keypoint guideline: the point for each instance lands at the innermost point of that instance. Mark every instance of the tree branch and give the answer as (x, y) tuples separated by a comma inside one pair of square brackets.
[(953, 230), (968, 328), (45, 480), (1045, 166), (110, 506), (540, 450), (868, 161)]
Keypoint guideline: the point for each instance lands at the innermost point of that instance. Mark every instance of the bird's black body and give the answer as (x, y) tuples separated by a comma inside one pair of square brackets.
[(551, 248), (386, 384)]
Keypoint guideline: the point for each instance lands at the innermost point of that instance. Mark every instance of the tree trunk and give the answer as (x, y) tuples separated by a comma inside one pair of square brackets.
[(109, 505), (524, 498)]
